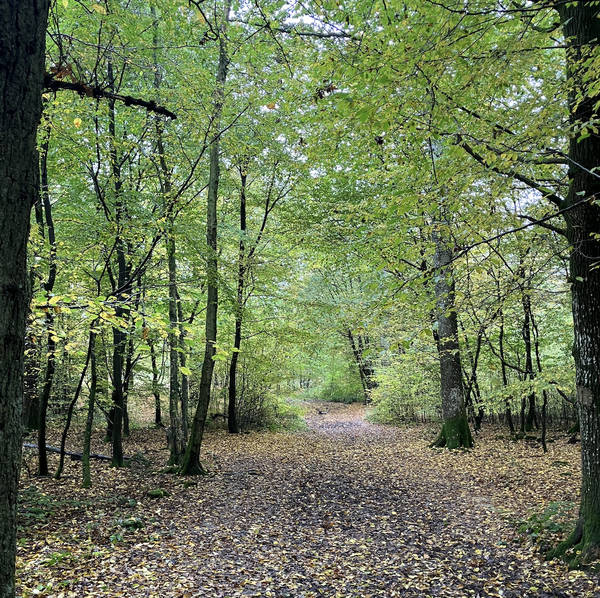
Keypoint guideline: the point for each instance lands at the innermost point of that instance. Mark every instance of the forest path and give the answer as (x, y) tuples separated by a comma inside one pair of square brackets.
[(344, 509)]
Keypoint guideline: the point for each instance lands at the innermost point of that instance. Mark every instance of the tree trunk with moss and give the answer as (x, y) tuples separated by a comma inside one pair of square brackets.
[(22, 38), (455, 431)]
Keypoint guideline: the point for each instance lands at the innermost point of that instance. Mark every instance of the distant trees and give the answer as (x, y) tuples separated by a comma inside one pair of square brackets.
[(387, 274)]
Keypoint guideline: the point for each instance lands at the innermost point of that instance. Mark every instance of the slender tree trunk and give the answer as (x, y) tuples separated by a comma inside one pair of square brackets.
[(89, 422), (508, 412), (472, 391), (366, 364), (155, 387), (455, 431), (530, 420), (581, 29), (48, 287), (358, 360), (232, 421), (185, 379), (22, 39), (175, 433), (128, 379), (45, 396), (174, 391), (122, 297), (63, 440), (191, 462)]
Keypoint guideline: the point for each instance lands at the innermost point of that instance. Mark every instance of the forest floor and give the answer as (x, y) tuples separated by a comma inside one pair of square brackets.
[(345, 508)]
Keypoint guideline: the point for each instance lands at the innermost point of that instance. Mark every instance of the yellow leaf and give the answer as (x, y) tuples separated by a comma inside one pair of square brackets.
[(65, 3), (77, 122), (99, 9), (271, 105)]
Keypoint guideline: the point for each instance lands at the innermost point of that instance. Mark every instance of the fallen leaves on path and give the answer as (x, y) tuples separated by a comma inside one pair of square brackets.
[(344, 509)]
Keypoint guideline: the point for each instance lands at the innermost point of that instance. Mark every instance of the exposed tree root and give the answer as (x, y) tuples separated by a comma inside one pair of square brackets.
[(579, 550)]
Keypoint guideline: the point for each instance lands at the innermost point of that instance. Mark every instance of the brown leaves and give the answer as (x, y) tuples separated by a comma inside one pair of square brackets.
[(344, 509)]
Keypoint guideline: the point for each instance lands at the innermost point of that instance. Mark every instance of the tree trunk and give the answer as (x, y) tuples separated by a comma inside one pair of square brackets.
[(185, 379), (122, 296), (232, 420), (508, 412), (358, 360), (48, 287), (528, 421), (581, 28), (191, 461), (89, 422), (175, 433), (22, 39), (155, 387), (45, 396), (174, 391), (455, 431), (128, 378), (63, 440)]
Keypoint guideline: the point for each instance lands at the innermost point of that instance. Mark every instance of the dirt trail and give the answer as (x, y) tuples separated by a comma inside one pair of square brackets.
[(343, 509)]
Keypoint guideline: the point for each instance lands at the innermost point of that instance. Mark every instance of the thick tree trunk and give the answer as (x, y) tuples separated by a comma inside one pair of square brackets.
[(22, 38), (581, 28), (455, 431), (191, 461)]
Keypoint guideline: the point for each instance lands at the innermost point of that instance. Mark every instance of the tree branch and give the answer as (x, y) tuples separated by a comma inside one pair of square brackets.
[(547, 193), (557, 229), (52, 84)]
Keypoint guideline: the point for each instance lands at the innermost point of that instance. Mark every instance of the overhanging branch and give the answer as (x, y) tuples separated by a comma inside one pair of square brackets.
[(52, 84)]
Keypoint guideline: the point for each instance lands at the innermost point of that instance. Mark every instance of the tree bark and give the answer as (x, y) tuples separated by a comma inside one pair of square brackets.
[(232, 419), (48, 287), (22, 42), (175, 440), (581, 28), (175, 433), (359, 365), (155, 387), (89, 422), (508, 412), (121, 309), (191, 461), (529, 421), (63, 440), (455, 431), (185, 379)]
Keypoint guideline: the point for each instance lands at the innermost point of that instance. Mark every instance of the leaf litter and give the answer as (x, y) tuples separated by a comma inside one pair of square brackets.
[(345, 508)]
